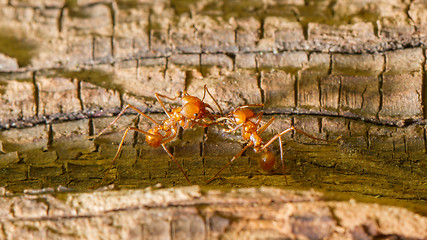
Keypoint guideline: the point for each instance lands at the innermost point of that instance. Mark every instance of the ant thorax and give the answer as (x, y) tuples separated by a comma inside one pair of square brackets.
[(248, 129)]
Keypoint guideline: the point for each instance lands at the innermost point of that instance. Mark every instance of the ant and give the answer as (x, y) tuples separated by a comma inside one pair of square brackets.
[(249, 122), (192, 112)]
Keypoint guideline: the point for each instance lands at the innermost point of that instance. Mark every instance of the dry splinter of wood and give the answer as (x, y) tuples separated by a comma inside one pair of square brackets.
[(192, 112), (245, 119)]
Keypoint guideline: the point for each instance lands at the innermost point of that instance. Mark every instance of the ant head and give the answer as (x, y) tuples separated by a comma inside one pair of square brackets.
[(241, 115)]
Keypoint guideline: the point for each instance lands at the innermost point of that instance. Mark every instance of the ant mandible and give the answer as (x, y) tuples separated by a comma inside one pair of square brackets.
[(192, 112), (249, 122)]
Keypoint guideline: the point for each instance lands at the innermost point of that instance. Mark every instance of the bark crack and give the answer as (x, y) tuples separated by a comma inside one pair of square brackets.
[(261, 30), (79, 94), (114, 11), (165, 71), (135, 133), (425, 140), (424, 85), (259, 81), (296, 89), (50, 134), (150, 14), (304, 25), (363, 97), (339, 96), (368, 139), (36, 95), (91, 127), (407, 9), (61, 18), (380, 86), (93, 48)]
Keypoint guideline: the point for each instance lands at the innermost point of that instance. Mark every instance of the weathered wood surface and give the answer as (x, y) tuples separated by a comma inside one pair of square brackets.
[(350, 68), (71, 59), (188, 213)]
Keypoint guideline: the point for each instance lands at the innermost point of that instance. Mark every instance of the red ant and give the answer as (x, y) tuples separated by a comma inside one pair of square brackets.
[(193, 111), (242, 117)]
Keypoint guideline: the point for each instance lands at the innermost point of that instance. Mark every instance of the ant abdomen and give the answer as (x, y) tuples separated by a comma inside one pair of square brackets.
[(267, 160), (154, 140)]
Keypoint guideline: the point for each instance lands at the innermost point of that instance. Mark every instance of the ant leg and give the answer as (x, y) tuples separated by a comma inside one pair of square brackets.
[(175, 130), (277, 136), (300, 131), (230, 162), (216, 103), (233, 129), (119, 150), (120, 114), (177, 163), (170, 154), (250, 105), (158, 95), (262, 129), (123, 140), (280, 146), (259, 131), (315, 138), (258, 116)]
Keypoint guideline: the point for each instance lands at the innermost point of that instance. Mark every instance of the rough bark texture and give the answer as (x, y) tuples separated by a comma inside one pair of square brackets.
[(362, 60), (354, 69), (187, 213)]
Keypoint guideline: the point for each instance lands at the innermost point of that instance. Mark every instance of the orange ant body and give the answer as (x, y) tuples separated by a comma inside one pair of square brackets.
[(193, 111), (242, 117)]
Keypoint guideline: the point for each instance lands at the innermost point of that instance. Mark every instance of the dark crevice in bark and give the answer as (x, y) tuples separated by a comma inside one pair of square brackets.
[(232, 56), (362, 104), (91, 127), (339, 96), (61, 19), (259, 81), (122, 101), (405, 143), (79, 94), (93, 48), (50, 136), (380, 87), (424, 85), (425, 140), (135, 133), (296, 89), (331, 62), (304, 25), (348, 123), (36, 95), (368, 139), (150, 13), (202, 149), (114, 11), (261, 30), (165, 70), (408, 15)]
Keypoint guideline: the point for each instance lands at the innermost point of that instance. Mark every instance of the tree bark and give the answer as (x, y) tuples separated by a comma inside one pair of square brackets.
[(332, 68)]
